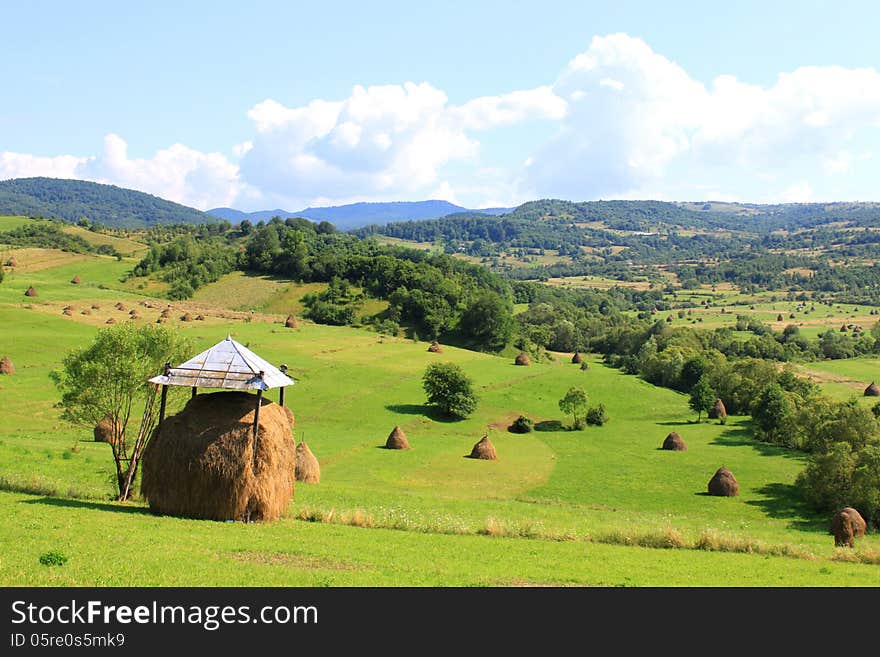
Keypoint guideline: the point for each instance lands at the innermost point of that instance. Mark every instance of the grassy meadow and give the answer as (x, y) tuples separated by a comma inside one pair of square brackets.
[(603, 506)]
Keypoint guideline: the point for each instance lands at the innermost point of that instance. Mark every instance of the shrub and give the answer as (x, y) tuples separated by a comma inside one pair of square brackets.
[(53, 558), (597, 415), (449, 389), (522, 424)]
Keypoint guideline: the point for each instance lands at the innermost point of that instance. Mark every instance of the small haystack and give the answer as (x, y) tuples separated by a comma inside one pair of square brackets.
[(85, 312), (522, 359), (95, 306), (110, 321), (484, 450), (674, 443), (11, 262), (397, 439), (75, 280), (780, 318), (186, 317), (843, 328), (576, 359), (6, 366), (718, 411), (165, 314), (104, 430), (68, 312), (308, 470), (31, 292), (200, 318), (723, 484), (134, 314), (291, 322), (435, 348), (872, 390), (121, 306), (847, 525), (200, 462), (669, 318)]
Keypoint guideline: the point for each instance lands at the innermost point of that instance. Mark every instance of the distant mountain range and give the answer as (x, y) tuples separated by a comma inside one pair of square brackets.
[(355, 215)]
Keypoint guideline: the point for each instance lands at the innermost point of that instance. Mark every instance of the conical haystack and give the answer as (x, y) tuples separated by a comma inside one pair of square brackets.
[(485, 450), (75, 280), (718, 411), (121, 306), (186, 317), (780, 318), (31, 292), (522, 359), (674, 443), (308, 470), (110, 320), (200, 462), (103, 431), (67, 311), (95, 306), (723, 484), (200, 318), (435, 348), (165, 314), (134, 314), (872, 390), (397, 439), (577, 359), (85, 312), (11, 262), (846, 525), (6, 366), (291, 322)]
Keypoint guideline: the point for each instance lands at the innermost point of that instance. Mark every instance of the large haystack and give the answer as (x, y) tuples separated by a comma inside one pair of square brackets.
[(308, 470), (200, 462), (522, 359), (846, 525), (723, 484), (674, 442), (577, 359), (31, 292), (75, 280), (291, 322), (435, 348), (6, 366), (872, 390), (484, 450), (718, 411), (103, 431), (397, 439)]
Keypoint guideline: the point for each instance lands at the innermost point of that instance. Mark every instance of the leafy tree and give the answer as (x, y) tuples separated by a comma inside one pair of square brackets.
[(597, 415), (107, 378), (575, 404), (773, 412), (488, 321), (449, 389), (702, 396)]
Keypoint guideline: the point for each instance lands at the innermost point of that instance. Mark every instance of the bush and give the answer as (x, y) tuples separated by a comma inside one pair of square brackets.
[(449, 389), (522, 424), (597, 415), (53, 558)]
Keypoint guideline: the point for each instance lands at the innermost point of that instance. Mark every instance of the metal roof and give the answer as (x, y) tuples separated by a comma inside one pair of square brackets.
[(228, 364)]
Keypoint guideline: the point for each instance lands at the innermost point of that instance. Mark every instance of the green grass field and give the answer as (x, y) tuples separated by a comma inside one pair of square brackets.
[(595, 507)]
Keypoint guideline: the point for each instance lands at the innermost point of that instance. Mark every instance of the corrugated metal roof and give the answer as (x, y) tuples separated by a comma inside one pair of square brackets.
[(228, 364)]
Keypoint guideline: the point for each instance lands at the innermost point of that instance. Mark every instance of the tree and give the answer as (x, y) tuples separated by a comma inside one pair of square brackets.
[(702, 396), (597, 415), (108, 377), (575, 404), (488, 321), (449, 389), (772, 412)]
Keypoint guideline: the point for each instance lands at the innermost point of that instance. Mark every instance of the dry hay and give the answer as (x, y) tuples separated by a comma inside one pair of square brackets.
[(674, 443), (11, 262), (85, 312), (843, 328), (484, 449), (435, 348), (145, 304), (68, 308), (67, 311), (95, 306), (846, 525), (291, 322), (110, 321), (134, 314), (872, 390), (397, 439), (6, 366), (165, 314), (200, 462), (75, 280), (522, 359), (200, 318), (718, 411), (186, 317), (669, 318), (723, 484), (103, 431), (577, 359), (31, 292), (120, 306), (308, 470), (780, 318)]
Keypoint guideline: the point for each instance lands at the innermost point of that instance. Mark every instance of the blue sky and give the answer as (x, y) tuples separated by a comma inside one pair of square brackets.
[(287, 104)]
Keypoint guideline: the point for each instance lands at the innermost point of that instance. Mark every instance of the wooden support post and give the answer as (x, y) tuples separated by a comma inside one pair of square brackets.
[(194, 393), (283, 369), (164, 394), (257, 420)]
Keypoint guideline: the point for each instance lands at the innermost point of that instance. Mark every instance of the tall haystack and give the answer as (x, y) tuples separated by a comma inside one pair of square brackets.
[(397, 439), (31, 292), (872, 390), (485, 450), (522, 359), (6, 366), (846, 525), (200, 462), (75, 280), (674, 443), (718, 411), (723, 484), (103, 431), (291, 322), (307, 469), (576, 359), (435, 348)]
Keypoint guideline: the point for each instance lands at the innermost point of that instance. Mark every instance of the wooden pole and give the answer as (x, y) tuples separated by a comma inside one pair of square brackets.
[(257, 420), (283, 369), (194, 392), (164, 394)]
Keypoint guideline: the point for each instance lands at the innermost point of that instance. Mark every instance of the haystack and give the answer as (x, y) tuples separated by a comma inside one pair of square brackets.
[(134, 314), (95, 306), (397, 439), (75, 280), (577, 359), (6, 366), (165, 314), (103, 431), (674, 443), (307, 469), (67, 311), (522, 359), (11, 262), (121, 306), (718, 411), (872, 390), (484, 450), (186, 317), (200, 318), (110, 321), (846, 525), (780, 318), (435, 348), (31, 292), (200, 462), (723, 484), (291, 322), (843, 328), (85, 312)]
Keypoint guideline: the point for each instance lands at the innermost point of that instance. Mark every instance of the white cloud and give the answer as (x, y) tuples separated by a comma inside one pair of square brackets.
[(22, 165), (800, 192), (510, 109)]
